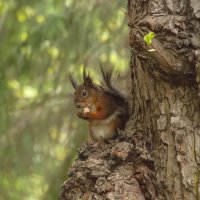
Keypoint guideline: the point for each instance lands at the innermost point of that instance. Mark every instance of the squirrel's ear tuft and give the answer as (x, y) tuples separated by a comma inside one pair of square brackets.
[(107, 77), (87, 79), (73, 82)]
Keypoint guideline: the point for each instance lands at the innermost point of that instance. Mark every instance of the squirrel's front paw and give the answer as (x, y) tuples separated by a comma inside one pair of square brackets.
[(84, 114)]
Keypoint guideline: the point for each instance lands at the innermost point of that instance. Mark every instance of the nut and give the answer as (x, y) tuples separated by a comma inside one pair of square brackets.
[(86, 110)]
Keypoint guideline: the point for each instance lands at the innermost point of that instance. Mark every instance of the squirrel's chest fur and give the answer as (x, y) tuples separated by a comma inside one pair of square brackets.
[(104, 129)]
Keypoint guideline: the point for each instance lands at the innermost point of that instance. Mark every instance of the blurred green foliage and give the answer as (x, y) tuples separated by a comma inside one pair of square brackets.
[(41, 41)]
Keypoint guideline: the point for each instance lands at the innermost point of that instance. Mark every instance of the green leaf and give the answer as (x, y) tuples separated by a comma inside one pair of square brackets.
[(148, 37)]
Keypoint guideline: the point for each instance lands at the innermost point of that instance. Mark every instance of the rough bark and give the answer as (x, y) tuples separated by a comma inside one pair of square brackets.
[(165, 92), (158, 154)]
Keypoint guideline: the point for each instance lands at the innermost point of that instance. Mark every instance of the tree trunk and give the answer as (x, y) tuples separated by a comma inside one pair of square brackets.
[(158, 154)]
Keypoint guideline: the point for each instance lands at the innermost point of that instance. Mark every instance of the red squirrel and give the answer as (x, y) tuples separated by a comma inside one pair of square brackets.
[(102, 105)]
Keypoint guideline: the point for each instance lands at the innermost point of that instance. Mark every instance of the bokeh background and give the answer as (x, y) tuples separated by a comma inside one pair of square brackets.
[(40, 42)]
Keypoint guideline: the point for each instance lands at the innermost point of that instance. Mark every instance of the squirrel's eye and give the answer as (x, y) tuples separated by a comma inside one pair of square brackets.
[(84, 93)]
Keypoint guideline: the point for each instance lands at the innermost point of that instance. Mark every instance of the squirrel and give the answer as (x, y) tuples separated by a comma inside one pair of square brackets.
[(102, 105)]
